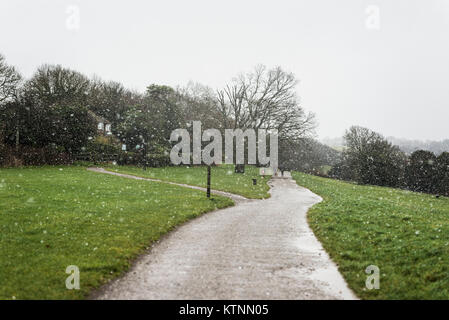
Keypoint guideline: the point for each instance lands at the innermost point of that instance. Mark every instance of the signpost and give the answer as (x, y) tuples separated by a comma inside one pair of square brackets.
[(208, 181), (144, 156), (144, 148)]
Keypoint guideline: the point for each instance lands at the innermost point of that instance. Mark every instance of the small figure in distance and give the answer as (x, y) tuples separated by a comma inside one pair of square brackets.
[(282, 169)]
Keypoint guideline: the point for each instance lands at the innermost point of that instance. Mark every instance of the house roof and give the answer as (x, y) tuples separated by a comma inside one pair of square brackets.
[(98, 118)]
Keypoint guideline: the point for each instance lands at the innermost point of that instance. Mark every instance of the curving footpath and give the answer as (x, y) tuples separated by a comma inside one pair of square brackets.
[(258, 249)]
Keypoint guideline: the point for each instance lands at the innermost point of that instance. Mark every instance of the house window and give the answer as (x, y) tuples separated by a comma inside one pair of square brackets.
[(108, 128), (100, 125)]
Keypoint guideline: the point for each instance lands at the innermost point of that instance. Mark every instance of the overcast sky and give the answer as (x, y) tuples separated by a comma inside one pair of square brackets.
[(382, 64)]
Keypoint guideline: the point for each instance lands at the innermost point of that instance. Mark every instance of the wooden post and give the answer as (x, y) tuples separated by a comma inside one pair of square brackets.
[(144, 156), (208, 181), (17, 139)]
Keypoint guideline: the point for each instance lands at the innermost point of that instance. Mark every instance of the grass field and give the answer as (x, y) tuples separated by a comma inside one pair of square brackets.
[(222, 178), (53, 217), (405, 234)]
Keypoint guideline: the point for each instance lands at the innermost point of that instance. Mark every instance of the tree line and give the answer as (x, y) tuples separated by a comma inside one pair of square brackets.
[(371, 159), (51, 116)]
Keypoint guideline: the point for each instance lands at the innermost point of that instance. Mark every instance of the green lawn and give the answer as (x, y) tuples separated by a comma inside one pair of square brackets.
[(53, 217), (405, 234), (222, 178)]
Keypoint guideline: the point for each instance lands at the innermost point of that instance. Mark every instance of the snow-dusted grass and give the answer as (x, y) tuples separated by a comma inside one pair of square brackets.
[(405, 234), (53, 217), (223, 178)]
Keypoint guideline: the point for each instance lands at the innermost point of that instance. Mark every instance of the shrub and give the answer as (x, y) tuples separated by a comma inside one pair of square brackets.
[(158, 160), (127, 158), (98, 148), (31, 156), (421, 172), (443, 174)]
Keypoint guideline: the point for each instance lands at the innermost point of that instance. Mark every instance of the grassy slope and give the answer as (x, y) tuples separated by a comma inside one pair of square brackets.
[(405, 234), (51, 218), (222, 178)]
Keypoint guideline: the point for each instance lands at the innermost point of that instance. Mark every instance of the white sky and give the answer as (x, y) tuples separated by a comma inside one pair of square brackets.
[(393, 79)]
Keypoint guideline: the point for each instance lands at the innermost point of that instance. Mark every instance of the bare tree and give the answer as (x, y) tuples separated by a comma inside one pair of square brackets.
[(199, 102), (265, 99), (55, 84), (9, 80), (111, 100)]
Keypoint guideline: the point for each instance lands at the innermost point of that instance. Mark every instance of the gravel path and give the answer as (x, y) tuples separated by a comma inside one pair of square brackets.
[(258, 249)]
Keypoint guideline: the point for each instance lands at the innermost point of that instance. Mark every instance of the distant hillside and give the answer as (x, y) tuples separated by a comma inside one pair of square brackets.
[(409, 146), (335, 143), (406, 145)]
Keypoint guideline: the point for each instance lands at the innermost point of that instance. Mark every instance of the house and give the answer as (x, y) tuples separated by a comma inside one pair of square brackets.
[(103, 125)]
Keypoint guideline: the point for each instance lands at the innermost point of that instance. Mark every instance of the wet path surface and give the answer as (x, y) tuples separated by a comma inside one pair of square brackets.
[(258, 249)]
